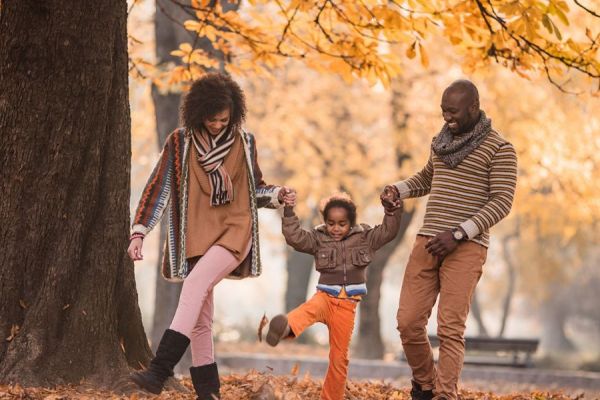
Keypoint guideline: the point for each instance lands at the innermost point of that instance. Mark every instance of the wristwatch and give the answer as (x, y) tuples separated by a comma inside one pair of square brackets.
[(458, 234)]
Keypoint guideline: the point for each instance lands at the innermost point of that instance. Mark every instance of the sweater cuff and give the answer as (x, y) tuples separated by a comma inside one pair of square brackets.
[(139, 228), (403, 189), (275, 198), (470, 228)]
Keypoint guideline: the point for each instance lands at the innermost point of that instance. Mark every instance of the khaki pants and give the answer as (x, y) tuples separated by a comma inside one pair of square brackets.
[(454, 279), (338, 315)]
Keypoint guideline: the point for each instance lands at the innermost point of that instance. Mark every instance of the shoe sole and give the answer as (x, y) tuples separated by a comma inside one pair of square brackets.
[(139, 380), (277, 328)]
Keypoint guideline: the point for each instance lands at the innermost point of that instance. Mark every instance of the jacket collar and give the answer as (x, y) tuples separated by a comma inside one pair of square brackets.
[(354, 230)]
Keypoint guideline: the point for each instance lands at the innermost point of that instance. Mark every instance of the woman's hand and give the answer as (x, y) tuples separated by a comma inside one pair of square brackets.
[(287, 196), (135, 249)]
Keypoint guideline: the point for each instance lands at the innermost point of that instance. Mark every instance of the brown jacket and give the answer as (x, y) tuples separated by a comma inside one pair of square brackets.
[(341, 262)]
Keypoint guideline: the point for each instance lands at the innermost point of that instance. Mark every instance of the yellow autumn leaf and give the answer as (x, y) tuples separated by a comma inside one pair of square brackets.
[(410, 51), (424, 56)]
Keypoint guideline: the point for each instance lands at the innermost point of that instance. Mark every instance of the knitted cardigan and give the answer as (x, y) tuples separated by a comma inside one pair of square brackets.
[(167, 190)]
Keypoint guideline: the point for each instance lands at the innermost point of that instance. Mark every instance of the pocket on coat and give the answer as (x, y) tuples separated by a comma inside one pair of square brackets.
[(325, 259), (361, 257)]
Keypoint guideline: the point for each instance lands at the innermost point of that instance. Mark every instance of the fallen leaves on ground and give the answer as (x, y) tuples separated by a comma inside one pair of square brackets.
[(259, 386)]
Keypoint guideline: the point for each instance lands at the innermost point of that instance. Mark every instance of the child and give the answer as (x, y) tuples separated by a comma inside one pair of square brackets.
[(342, 251)]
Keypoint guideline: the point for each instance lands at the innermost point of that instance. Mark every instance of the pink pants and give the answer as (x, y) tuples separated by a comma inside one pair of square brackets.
[(194, 314)]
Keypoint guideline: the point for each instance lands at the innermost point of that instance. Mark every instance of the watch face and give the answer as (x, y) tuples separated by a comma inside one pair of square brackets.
[(458, 235)]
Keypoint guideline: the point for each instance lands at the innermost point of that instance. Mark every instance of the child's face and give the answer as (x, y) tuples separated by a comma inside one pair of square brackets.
[(337, 223)]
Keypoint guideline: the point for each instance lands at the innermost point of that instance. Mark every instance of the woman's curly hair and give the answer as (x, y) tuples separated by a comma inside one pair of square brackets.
[(341, 200), (210, 95)]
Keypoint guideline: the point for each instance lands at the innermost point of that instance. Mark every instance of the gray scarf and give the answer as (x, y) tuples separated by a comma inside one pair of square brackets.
[(452, 150)]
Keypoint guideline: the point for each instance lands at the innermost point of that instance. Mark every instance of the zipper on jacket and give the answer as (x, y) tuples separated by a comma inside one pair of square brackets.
[(344, 257)]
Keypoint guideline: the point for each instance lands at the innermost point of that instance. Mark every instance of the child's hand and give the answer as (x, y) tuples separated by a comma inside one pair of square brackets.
[(287, 196), (390, 198), (290, 198)]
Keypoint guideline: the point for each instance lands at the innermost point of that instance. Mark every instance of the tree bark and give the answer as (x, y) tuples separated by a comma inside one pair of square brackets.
[(370, 344), (66, 281)]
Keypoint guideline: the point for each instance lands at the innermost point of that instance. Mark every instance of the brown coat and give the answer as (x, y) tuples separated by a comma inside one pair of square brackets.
[(341, 262)]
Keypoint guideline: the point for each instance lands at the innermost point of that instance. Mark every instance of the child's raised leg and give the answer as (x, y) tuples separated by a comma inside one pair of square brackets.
[(314, 310), (297, 320)]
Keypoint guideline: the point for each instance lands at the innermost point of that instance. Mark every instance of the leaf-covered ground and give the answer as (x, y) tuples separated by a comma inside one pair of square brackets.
[(261, 386)]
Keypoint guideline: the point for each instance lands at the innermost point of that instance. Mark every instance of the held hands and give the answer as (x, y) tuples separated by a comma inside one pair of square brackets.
[(287, 196), (390, 199), (135, 249)]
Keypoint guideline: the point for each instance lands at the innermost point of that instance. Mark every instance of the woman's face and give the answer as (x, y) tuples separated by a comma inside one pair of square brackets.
[(215, 124)]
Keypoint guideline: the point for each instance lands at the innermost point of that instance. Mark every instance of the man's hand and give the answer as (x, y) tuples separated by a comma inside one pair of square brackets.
[(390, 198), (441, 244)]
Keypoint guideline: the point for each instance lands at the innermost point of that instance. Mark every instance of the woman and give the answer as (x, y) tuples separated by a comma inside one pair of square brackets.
[(208, 182)]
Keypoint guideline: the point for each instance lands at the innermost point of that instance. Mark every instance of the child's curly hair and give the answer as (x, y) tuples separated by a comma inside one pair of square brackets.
[(342, 200), (210, 95)]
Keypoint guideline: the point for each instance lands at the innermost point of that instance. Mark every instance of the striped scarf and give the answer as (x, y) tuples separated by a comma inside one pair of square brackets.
[(212, 151)]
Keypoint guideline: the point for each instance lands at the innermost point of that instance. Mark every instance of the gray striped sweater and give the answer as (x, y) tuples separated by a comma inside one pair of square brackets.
[(475, 195)]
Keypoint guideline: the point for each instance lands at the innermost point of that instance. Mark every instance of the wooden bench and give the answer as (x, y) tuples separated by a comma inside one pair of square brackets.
[(496, 351)]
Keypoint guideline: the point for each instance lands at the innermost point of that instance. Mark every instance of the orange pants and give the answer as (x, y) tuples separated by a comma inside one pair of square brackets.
[(454, 278), (338, 315)]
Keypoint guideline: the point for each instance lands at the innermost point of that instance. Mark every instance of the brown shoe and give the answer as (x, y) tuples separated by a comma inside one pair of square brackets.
[(278, 329)]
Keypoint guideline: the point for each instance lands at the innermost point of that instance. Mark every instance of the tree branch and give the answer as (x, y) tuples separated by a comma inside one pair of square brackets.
[(595, 14)]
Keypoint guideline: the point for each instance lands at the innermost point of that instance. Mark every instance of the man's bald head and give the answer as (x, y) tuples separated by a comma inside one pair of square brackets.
[(460, 106), (466, 88)]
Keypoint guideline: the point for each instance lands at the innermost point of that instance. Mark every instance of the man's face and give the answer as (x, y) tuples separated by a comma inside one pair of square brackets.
[(215, 124), (459, 110)]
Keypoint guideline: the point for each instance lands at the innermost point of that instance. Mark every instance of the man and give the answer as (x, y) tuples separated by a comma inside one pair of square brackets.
[(470, 178)]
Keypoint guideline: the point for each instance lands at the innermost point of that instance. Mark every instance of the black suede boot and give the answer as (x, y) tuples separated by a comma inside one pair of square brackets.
[(417, 393), (206, 381), (171, 348)]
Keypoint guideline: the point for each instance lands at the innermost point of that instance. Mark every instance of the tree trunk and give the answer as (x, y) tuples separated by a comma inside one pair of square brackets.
[(476, 312), (66, 282), (299, 268), (554, 317), (512, 277), (370, 344), (168, 33)]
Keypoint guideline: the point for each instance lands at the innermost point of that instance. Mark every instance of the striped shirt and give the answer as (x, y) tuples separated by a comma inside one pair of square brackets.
[(475, 195)]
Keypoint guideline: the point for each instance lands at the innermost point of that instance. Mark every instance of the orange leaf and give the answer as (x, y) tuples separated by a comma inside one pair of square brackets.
[(295, 369), (263, 321)]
